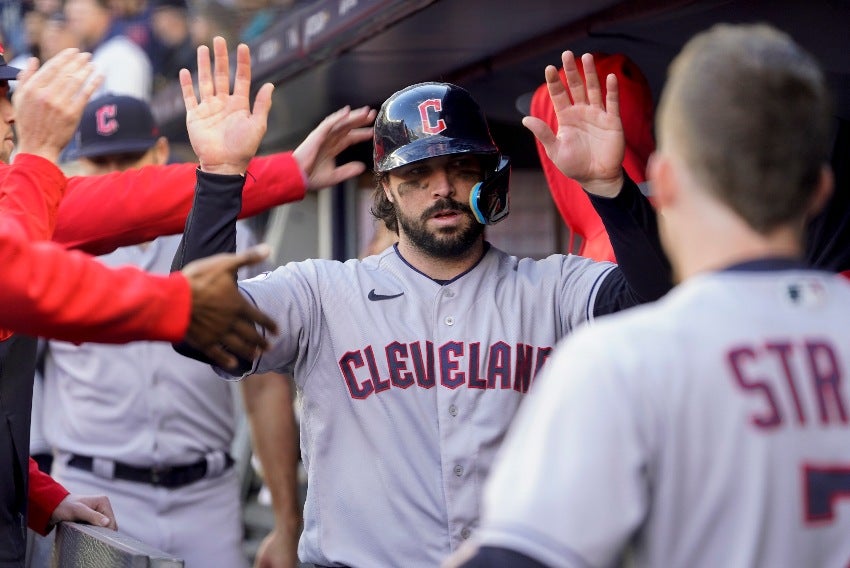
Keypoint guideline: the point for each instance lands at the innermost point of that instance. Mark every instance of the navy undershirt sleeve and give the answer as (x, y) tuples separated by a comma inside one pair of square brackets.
[(210, 229), (643, 272)]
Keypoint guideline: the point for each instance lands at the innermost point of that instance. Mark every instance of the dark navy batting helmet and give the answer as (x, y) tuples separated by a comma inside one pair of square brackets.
[(428, 120)]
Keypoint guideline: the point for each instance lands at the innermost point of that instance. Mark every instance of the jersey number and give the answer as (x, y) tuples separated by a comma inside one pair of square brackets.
[(824, 486)]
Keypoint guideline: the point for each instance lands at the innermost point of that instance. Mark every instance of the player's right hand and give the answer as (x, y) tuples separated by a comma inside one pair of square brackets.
[(223, 322)]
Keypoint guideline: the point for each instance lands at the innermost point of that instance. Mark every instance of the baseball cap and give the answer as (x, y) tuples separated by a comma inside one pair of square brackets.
[(7, 72), (115, 124)]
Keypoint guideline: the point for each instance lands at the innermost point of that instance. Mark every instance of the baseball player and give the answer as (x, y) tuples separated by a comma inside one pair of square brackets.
[(717, 433), (138, 422), (411, 363)]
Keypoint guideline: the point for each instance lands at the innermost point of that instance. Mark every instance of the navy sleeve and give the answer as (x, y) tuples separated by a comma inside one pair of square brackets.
[(492, 557), (211, 224), (643, 272), (210, 229)]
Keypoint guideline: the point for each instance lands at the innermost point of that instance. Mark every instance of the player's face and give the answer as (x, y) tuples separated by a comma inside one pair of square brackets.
[(431, 200), (7, 117), (98, 165)]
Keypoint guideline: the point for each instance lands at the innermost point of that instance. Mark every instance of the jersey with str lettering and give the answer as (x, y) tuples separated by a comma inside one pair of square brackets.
[(710, 429), (408, 386)]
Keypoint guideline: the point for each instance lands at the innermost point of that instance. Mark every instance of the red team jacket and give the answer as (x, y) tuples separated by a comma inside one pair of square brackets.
[(97, 215)]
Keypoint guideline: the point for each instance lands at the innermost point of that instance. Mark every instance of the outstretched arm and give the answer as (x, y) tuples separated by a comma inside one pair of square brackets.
[(589, 147), (225, 133)]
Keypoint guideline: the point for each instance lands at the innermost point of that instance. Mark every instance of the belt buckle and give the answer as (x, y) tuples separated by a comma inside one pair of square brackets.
[(158, 474)]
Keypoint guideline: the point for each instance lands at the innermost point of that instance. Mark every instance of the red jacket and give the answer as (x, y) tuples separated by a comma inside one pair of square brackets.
[(97, 215), (40, 293)]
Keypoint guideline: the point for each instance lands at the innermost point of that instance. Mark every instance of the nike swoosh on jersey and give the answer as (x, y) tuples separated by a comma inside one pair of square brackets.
[(378, 297)]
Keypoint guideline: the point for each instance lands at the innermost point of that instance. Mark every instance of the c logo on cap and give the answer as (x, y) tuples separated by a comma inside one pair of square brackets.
[(106, 122), (436, 105)]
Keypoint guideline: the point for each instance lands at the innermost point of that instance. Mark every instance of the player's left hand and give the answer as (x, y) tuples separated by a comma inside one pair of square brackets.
[(92, 509), (224, 132), (589, 145), (317, 153)]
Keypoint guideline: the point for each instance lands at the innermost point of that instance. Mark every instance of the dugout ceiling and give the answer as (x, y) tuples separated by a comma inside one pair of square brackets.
[(336, 52)]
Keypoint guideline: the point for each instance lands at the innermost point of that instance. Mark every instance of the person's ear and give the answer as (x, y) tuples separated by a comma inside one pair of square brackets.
[(661, 175), (823, 191), (385, 185), (161, 151)]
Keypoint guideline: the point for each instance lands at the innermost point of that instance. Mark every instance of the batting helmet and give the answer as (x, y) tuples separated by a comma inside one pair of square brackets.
[(428, 120)]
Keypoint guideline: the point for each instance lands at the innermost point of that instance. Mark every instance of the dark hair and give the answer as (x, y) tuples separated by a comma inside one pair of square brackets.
[(382, 208)]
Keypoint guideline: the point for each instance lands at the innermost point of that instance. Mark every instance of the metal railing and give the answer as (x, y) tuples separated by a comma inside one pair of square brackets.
[(87, 546)]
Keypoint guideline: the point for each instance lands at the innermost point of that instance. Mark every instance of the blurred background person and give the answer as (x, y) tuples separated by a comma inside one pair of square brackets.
[(125, 66), (170, 25)]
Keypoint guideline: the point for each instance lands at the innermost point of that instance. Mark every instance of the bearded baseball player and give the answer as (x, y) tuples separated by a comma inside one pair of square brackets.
[(411, 363), (718, 434)]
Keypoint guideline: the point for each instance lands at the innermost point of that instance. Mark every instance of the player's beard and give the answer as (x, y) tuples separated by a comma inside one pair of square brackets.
[(446, 242)]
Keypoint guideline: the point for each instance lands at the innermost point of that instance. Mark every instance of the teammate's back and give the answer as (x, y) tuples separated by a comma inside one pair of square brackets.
[(747, 429), (711, 428)]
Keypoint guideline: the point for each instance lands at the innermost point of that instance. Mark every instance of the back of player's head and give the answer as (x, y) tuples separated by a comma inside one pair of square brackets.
[(749, 113)]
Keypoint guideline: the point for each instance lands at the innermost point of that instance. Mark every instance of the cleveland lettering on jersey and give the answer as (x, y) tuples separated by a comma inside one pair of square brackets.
[(782, 370), (451, 365)]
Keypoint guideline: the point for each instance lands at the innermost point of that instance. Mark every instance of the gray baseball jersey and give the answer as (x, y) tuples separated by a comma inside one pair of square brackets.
[(408, 387), (710, 429), (145, 405)]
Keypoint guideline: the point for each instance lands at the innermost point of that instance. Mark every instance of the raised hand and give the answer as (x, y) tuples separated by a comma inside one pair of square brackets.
[(317, 153), (589, 145), (49, 101), (224, 132), (223, 322)]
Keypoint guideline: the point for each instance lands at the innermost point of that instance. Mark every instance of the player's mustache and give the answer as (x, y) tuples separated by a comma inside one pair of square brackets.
[(446, 204)]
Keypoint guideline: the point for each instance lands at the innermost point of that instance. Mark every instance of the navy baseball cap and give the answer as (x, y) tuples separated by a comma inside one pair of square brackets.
[(7, 72), (115, 124)]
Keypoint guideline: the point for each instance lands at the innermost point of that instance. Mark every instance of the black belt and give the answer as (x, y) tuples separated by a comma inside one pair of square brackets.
[(164, 476)]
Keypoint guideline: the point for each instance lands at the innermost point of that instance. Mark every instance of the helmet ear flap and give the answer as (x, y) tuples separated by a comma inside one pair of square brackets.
[(490, 199)]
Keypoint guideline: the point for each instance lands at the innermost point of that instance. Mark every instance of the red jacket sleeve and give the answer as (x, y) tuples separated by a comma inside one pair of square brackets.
[(68, 295), (636, 112), (102, 213), (43, 498), (30, 192)]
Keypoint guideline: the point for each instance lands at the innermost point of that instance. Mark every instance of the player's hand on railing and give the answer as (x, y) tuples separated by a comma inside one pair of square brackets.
[(318, 152), (589, 145), (49, 101), (224, 132), (223, 322), (92, 509)]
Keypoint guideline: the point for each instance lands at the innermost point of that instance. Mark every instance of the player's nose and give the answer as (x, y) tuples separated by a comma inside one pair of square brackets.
[(441, 185)]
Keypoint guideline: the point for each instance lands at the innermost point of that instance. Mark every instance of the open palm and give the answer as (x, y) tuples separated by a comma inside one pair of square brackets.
[(589, 145), (223, 131)]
